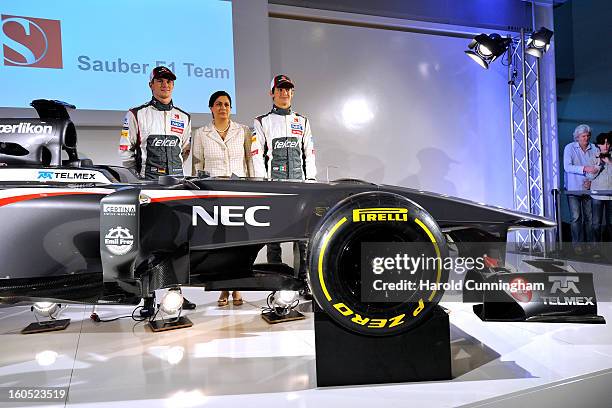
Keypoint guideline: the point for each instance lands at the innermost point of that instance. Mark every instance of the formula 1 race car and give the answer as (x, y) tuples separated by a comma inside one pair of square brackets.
[(85, 233)]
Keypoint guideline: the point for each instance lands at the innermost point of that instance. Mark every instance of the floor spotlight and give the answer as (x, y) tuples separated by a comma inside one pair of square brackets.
[(170, 310), (281, 307), (539, 42), (484, 49), (46, 310)]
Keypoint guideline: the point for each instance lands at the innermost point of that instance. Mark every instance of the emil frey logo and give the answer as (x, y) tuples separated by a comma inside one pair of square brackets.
[(119, 240), (31, 42)]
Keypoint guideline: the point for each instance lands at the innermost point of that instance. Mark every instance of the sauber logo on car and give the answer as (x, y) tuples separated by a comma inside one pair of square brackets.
[(25, 127), (380, 214), (230, 215)]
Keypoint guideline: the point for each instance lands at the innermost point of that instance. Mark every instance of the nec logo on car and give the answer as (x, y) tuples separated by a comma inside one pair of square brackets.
[(230, 215), (31, 42)]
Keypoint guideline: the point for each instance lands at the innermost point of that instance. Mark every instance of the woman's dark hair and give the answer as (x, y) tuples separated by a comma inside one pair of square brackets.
[(216, 95), (602, 137)]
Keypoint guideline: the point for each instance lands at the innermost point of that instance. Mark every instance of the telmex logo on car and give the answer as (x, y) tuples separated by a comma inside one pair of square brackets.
[(380, 214), (566, 284), (51, 175), (230, 215)]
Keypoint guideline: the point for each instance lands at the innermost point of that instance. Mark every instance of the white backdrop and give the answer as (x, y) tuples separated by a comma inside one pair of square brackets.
[(399, 107)]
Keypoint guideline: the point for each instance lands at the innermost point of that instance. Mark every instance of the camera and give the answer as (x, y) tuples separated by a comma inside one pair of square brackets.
[(604, 155)]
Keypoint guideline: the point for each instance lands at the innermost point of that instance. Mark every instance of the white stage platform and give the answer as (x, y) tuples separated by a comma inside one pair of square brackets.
[(231, 357)]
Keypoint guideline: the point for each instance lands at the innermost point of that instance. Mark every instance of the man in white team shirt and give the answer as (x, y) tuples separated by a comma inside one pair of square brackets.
[(282, 148)]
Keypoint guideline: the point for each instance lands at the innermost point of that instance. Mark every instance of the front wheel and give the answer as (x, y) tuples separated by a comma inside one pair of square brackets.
[(347, 249)]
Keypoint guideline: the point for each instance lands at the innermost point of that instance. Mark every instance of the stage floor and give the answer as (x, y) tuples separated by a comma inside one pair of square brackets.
[(232, 357)]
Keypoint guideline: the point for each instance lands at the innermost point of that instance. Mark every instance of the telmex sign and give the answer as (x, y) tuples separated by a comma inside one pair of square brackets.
[(229, 215)]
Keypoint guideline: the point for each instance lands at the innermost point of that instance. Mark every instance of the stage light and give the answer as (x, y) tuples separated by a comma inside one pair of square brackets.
[(539, 42), (172, 302), (281, 307), (49, 310), (44, 309), (484, 49), (357, 112), (284, 298)]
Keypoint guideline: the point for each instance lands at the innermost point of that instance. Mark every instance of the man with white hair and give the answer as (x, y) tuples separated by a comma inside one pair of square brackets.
[(578, 157)]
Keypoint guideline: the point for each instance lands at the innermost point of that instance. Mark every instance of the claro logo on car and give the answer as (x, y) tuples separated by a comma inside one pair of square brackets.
[(380, 214), (231, 215)]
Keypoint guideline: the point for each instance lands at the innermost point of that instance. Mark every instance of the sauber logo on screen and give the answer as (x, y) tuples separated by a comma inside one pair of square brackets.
[(31, 42)]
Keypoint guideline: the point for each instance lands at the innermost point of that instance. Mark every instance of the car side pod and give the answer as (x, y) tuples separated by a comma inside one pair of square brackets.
[(120, 234), (363, 340)]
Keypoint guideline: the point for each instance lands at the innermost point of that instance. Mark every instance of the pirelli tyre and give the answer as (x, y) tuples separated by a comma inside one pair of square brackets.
[(335, 273)]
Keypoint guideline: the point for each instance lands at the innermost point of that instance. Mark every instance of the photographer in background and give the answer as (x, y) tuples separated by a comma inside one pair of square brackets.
[(602, 205), (578, 159)]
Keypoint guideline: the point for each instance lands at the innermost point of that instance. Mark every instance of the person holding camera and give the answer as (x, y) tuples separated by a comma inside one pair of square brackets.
[(578, 160), (602, 204)]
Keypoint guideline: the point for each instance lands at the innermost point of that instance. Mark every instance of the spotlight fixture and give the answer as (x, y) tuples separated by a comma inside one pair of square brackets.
[(282, 301), (47, 310), (44, 309), (281, 307), (171, 304), (539, 42), (484, 49)]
